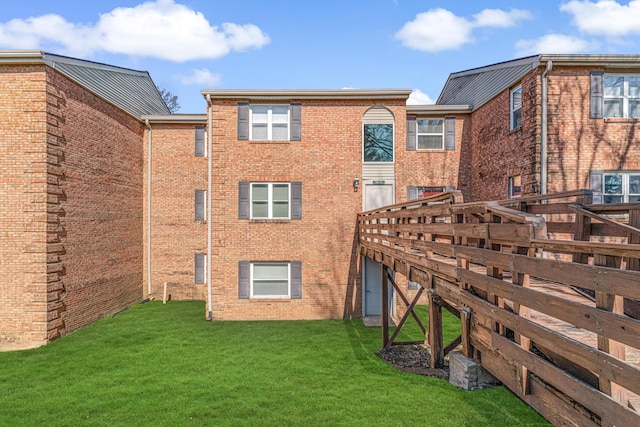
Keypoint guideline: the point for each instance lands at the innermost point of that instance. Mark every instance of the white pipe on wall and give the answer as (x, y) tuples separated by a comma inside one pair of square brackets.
[(209, 198), (149, 138)]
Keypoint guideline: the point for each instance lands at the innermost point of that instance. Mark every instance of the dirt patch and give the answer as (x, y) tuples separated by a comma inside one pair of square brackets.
[(413, 359)]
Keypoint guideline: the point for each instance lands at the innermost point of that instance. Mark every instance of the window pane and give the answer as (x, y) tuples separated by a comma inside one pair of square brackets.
[(259, 113), (270, 271), (260, 210), (613, 107), (259, 131), (517, 119), (430, 142), (634, 86), (613, 85), (516, 99), (634, 184), (281, 192), (633, 199), (279, 132), (613, 184), (271, 288), (634, 108), (613, 199), (430, 126), (378, 143), (280, 114), (281, 209), (260, 192)]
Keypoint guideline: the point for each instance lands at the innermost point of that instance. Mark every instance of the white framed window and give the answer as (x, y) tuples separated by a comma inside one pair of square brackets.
[(430, 133), (378, 142), (621, 187), (269, 122), (516, 108), (622, 96), (270, 200), (270, 280), (515, 186)]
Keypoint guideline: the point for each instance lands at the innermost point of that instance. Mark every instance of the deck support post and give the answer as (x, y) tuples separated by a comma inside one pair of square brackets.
[(385, 306), (435, 332)]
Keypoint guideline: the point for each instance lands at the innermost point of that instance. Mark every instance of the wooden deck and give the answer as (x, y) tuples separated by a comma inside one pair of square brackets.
[(542, 300)]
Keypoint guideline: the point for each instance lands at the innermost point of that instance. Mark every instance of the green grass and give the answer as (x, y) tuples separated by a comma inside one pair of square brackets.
[(160, 365)]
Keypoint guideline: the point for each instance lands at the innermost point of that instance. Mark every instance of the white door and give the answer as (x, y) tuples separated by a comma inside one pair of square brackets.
[(376, 195)]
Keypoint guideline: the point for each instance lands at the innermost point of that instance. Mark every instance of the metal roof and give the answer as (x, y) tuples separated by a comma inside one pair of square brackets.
[(131, 90), (477, 86)]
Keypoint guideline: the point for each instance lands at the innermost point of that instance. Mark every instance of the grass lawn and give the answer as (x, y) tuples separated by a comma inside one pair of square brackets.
[(160, 364)]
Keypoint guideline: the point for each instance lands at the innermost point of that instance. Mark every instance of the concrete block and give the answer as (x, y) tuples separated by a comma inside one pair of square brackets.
[(468, 374)]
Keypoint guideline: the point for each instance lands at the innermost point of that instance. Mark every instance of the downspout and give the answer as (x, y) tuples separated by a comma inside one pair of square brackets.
[(209, 198), (149, 137), (543, 133)]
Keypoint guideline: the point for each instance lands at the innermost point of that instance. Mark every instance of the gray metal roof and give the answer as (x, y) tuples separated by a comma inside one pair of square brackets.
[(131, 90), (479, 85)]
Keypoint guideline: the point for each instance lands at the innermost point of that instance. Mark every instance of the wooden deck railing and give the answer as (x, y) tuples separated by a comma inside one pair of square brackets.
[(540, 303)]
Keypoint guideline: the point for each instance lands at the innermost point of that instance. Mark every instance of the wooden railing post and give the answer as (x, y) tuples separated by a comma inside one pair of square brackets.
[(385, 306), (436, 343)]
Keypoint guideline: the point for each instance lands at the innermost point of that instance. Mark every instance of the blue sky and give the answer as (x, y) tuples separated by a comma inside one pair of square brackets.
[(296, 44)]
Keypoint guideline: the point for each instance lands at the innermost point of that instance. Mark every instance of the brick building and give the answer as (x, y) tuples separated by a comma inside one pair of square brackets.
[(250, 206), (71, 160)]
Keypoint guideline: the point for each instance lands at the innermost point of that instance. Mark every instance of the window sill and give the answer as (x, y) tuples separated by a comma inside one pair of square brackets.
[(514, 130), (269, 221), (267, 142), (625, 120), (270, 300)]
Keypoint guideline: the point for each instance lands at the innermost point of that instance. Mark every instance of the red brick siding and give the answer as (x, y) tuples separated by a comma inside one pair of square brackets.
[(579, 144), (95, 188), (497, 152), (23, 217), (176, 235)]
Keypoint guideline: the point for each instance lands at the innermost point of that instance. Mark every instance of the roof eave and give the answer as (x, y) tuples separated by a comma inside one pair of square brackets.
[(281, 95), (605, 60), (176, 118), (438, 109)]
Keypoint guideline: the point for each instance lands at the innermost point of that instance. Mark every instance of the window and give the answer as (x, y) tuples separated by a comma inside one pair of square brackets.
[(621, 96), (378, 142), (270, 279), (515, 186), (430, 134), (200, 205), (414, 193), (269, 122), (516, 108), (620, 187), (200, 270), (200, 142), (270, 200)]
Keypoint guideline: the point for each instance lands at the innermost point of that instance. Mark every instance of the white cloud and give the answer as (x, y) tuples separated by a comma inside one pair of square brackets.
[(435, 30), (553, 43), (604, 17), (440, 29), (418, 97), (498, 18), (161, 29), (201, 77)]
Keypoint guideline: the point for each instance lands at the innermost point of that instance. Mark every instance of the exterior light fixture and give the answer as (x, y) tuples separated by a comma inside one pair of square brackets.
[(356, 183)]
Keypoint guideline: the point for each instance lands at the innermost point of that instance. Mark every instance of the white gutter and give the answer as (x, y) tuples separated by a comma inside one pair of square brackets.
[(149, 290), (543, 133), (209, 198)]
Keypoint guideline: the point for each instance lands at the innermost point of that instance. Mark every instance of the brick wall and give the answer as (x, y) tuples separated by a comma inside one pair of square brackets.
[(497, 152), (579, 144), (95, 189), (23, 216), (176, 235)]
